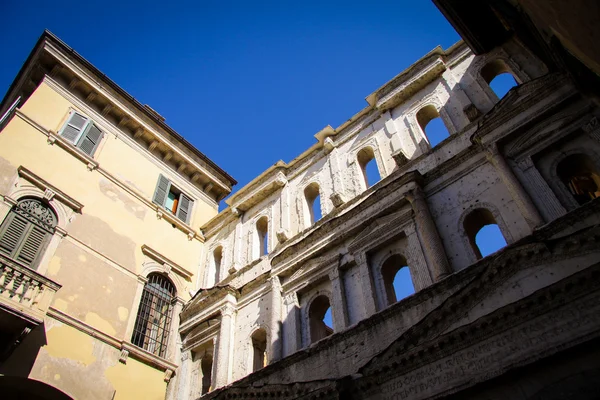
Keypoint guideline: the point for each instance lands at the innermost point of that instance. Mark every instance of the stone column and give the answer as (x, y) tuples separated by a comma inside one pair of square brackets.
[(224, 353), (338, 308), (183, 378), (237, 244), (428, 233), (337, 195), (416, 261), (275, 337), (366, 284), (291, 324), (551, 207), (528, 209), (284, 214), (174, 349)]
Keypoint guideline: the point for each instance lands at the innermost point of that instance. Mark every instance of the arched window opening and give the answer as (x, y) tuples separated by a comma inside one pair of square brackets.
[(397, 281), (483, 232), (153, 320), (217, 258), (259, 349), (580, 175), (312, 195), (316, 316), (26, 231), (206, 366), (262, 231), (368, 166), (499, 77), (431, 124)]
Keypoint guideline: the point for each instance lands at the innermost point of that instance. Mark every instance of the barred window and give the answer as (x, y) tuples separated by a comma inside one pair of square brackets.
[(153, 320), (26, 231)]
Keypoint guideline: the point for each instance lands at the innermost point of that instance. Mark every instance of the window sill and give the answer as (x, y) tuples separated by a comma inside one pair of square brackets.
[(127, 349)]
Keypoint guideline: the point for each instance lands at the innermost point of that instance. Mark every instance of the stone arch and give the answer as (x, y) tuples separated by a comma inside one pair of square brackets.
[(561, 190), (365, 156), (387, 269), (63, 213), (312, 203), (473, 219), (260, 243), (427, 113), (152, 267), (214, 263), (315, 310), (257, 348)]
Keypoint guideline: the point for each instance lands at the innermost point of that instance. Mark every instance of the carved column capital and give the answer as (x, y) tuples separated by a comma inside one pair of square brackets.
[(227, 310), (291, 299)]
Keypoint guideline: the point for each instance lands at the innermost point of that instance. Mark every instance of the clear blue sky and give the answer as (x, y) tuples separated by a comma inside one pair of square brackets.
[(248, 83)]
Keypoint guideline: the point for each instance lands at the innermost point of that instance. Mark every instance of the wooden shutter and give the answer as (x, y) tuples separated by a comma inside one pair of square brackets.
[(32, 246), (184, 207), (162, 189), (12, 232), (90, 139), (74, 126)]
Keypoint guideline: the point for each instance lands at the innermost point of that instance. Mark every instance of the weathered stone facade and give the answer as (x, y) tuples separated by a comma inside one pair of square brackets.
[(471, 321)]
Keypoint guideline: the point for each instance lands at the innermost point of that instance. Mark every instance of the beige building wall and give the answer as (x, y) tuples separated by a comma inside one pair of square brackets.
[(100, 261)]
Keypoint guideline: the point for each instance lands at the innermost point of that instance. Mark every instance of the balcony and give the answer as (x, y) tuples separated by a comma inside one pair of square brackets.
[(24, 293)]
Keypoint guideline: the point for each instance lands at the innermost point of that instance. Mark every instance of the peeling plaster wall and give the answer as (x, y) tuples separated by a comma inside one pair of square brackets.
[(85, 368), (99, 260)]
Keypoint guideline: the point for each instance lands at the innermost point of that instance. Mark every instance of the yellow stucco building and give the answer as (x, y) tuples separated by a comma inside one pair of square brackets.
[(101, 204)]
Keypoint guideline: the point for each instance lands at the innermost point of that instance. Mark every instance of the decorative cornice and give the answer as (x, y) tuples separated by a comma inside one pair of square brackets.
[(46, 187)]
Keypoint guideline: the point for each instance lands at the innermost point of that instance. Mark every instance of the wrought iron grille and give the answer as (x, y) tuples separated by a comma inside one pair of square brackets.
[(153, 320)]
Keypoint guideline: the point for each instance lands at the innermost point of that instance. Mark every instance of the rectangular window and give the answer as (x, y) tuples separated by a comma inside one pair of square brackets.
[(82, 132), (172, 199)]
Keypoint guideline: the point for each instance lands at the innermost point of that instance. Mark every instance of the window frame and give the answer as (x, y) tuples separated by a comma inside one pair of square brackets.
[(182, 195), (83, 132), (26, 239)]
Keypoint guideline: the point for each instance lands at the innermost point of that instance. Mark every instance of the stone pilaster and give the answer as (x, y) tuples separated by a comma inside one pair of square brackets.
[(337, 196), (366, 283), (551, 207), (418, 266), (518, 193), (182, 379), (291, 324), (275, 337), (283, 233), (224, 351), (338, 308), (174, 349), (238, 243), (430, 238)]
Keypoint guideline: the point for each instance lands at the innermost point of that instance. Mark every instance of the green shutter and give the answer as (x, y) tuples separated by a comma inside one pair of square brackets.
[(13, 229), (162, 188), (74, 126), (90, 140), (32, 246), (184, 207)]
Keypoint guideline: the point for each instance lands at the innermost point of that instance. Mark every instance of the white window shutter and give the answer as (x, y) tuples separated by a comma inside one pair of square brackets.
[(162, 189), (74, 127), (184, 207), (91, 139)]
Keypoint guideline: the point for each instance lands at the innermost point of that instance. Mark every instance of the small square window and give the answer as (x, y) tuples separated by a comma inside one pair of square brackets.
[(172, 199)]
